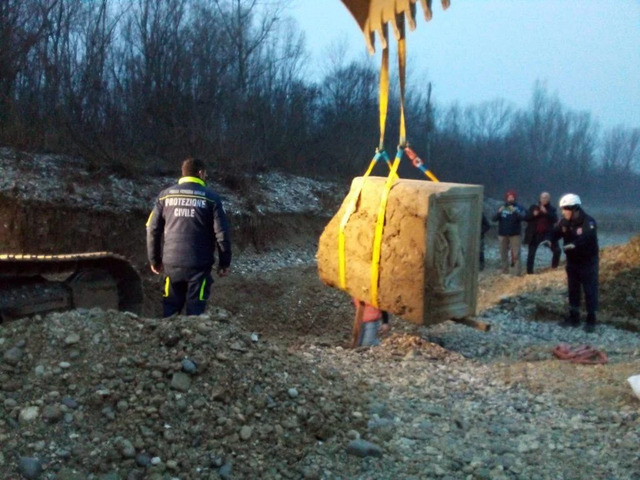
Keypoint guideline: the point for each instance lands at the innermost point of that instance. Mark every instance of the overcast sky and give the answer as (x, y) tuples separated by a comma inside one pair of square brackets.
[(586, 52)]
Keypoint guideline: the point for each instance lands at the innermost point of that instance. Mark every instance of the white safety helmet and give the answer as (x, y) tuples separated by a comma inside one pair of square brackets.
[(569, 200)]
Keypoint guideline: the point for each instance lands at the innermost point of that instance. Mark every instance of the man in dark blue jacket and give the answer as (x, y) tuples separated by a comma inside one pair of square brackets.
[(187, 225), (580, 244), (509, 217)]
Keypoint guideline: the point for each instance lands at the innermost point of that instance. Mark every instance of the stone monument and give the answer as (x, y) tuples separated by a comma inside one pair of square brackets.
[(428, 268)]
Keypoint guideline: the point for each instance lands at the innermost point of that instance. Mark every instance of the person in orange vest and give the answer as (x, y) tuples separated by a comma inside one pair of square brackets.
[(369, 324)]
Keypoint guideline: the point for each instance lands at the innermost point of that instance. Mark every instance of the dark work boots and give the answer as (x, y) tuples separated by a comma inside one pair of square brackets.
[(590, 326), (573, 320)]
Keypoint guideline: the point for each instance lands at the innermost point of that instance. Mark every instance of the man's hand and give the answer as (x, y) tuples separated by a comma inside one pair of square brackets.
[(223, 272), (157, 269), (500, 209), (384, 329), (568, 246)]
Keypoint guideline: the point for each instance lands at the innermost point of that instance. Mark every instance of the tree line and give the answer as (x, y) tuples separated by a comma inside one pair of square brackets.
[(138, 85)]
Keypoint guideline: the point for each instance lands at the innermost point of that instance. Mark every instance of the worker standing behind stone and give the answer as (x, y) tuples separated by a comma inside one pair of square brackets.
[(509, 217), (369, 323)]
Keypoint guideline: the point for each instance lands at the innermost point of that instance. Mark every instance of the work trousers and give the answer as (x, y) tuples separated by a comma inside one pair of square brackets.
[(184, 286), (510, 254), (583, 276), (369, 334), (533, 248)]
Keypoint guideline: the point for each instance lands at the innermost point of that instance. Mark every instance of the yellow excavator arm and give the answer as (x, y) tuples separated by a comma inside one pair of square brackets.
[(373, 15)]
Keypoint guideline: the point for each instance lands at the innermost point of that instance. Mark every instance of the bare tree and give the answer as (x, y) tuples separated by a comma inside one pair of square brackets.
[(621, 149), (22, 27)]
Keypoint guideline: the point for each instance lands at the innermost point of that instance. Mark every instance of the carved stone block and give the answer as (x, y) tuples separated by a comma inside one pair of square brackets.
[(429, 251)]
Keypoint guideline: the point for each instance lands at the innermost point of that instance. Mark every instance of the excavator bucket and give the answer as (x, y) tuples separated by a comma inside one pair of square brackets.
[(372, 15)]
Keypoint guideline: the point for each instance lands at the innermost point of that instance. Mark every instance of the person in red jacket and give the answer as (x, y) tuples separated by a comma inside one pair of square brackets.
[(369, 323), (541, 219)]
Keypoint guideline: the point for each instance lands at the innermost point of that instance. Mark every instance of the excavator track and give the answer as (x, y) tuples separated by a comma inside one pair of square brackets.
[(33, 284)]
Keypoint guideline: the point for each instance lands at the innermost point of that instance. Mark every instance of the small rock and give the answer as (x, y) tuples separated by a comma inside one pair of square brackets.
[(246, 432), (28, 414), (221, 356), (189, 366), (30, 468), (70, 402), (293, 393), (226, 471), (362, 448), (52, 414), (109, 413), (238, 347), (181, 382), (143, 460), (12, 356), (127, 450), (72, 339)]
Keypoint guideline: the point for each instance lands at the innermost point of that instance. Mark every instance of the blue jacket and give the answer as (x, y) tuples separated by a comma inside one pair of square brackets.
[(582, 232), (510, 220), (187, 225)]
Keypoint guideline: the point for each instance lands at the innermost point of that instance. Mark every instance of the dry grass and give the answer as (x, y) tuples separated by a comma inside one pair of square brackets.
[(620, 283)]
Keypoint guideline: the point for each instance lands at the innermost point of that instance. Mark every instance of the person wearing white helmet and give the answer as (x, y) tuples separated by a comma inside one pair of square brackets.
[(580, 244)]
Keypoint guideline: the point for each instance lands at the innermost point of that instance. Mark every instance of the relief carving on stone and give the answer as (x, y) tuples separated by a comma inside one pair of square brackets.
[(449, 251)]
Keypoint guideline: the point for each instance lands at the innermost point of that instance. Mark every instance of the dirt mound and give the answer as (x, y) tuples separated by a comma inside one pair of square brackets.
[(620, 283), (196, 395)]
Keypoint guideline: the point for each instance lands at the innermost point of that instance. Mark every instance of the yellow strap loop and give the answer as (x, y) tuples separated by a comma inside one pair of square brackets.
[(402, 67), (433, 178), (384, 89), (377, 240), (351, 207)]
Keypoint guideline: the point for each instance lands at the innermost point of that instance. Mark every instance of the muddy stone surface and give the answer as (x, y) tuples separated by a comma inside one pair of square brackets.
[(262, 386)]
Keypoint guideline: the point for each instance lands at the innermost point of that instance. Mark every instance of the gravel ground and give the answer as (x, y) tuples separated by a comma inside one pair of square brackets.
[(105, 395)]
